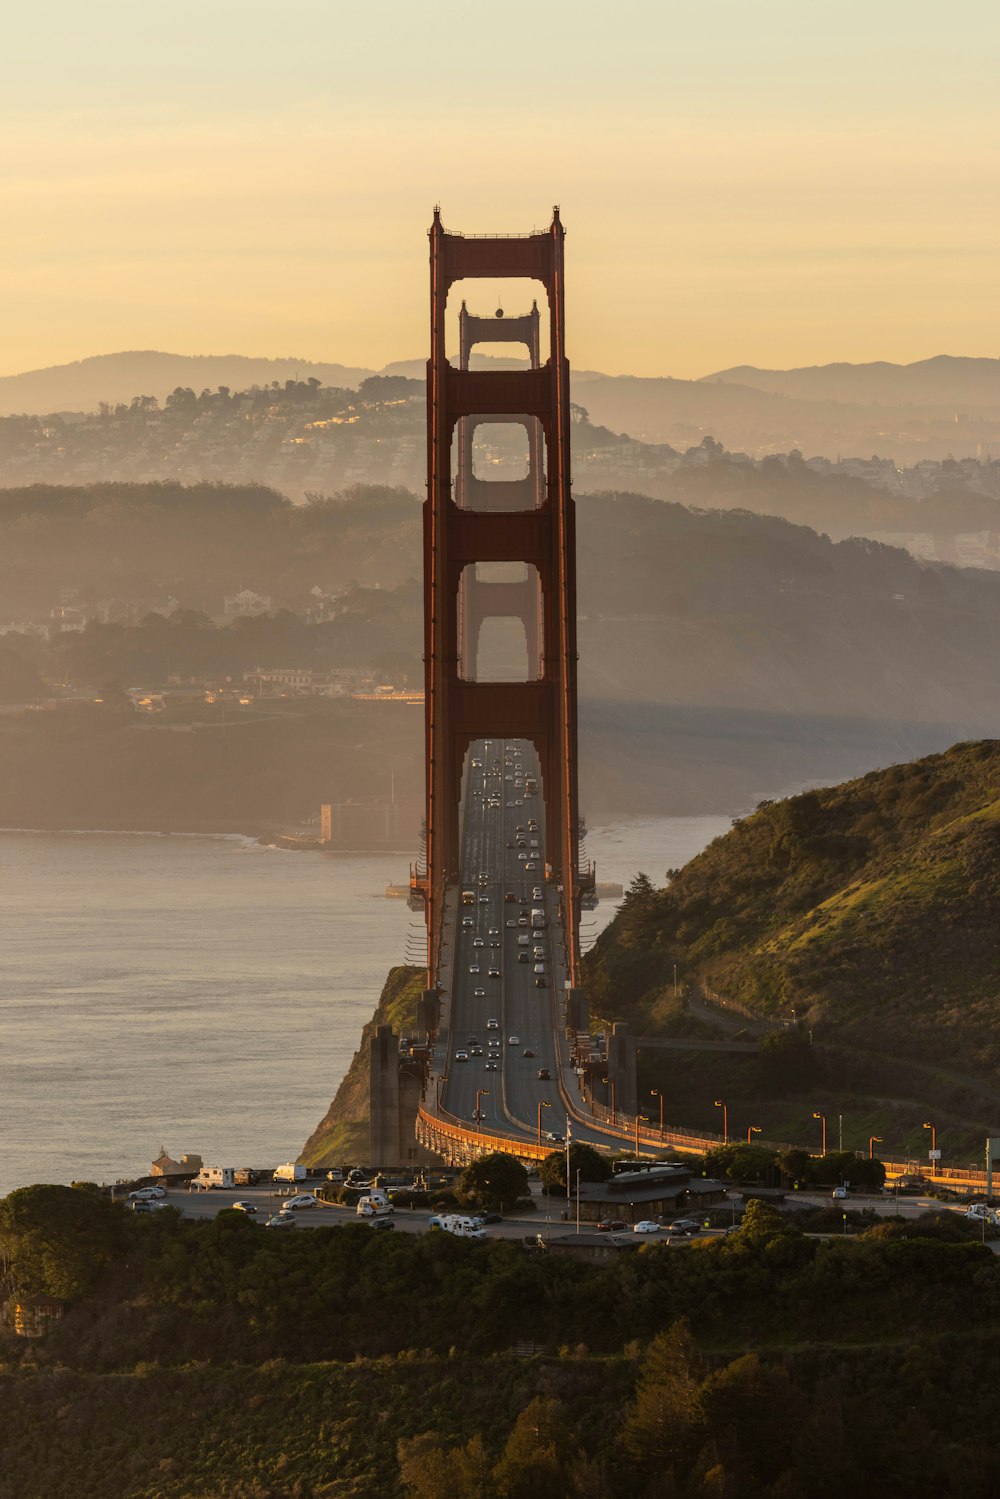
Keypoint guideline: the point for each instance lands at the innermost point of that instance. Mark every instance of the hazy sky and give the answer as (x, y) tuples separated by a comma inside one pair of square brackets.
[(775, 182)]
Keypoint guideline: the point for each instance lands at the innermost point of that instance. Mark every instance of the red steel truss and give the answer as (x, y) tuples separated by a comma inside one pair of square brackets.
[(529, 521)]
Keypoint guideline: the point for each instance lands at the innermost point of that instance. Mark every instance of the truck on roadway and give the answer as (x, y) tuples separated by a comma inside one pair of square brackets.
[(538, 919), (291, 1171), (214, 1176), (457, 1224)]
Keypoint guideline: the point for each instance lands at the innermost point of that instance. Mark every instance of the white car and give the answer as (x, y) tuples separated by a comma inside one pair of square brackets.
[(839, 1193), (645, 1226), (478, 942), (473, 967), (530, 867), (493, 1024), (461, 1056), (479, 993), (513, 1040), (280, 1220), (300, 1200)]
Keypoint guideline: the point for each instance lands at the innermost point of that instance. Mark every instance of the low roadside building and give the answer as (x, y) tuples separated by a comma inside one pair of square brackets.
[(656, 1191)]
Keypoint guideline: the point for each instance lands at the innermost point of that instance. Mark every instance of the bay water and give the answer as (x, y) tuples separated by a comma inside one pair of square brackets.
[(206, 993)]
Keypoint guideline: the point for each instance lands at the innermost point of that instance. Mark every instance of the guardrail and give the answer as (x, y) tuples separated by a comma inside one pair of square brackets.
[(455, 1141)]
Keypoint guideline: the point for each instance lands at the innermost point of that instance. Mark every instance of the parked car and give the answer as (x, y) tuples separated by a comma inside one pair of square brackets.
[(645, 1226), (244, 1207), (683, 1226), (839, 1193), (300, 1200), (381, 1223), (611, 1225), (281, 1220)]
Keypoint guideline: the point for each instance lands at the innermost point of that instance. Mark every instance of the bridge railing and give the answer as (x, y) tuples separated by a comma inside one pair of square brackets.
[(434, 1130)]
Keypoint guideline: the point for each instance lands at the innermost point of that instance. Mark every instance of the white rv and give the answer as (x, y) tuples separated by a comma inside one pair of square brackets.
[(215, 1176)]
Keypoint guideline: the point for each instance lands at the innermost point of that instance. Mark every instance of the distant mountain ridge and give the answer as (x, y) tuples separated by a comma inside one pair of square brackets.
[(82, 385), (945, 380), (934, 408)]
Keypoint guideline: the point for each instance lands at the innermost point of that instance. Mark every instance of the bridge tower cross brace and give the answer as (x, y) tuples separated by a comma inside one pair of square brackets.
[(541, 533)]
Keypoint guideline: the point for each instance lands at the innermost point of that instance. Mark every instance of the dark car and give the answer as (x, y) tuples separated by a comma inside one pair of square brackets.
[(524, 957), (544, 1075), (540, 982), (611, 1225), (382, 1223), (527, 1052)]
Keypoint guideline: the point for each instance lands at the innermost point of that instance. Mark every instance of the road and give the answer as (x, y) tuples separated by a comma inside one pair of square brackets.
[(489, 958), (496, 957)]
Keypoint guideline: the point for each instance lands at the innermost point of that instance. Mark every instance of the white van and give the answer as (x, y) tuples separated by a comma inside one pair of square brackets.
[(539, 968), (374, 1205)]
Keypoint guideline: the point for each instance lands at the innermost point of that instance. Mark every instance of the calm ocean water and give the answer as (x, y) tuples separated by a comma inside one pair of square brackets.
[(204, 993)]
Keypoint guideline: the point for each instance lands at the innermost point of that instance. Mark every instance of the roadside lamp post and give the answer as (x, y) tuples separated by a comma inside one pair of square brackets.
[(873, 1140), (541, 1105), (437, 1092), (614, 1111), (822, 1119), (637, 1119), (578, 1170), (720, 1103), (480, 1093), (655, 1093), (754, 1129), (935, 1157)]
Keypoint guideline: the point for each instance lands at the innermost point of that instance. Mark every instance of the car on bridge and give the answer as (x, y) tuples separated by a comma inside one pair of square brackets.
[(491, 1066), (478, 942), (461, 1056), (513, 1040), (493, 1024), (544, 1075), (494, 972), (527, 1052), (479, 992), (555, 1137), (473, 967), (524, 956), (540, 981)]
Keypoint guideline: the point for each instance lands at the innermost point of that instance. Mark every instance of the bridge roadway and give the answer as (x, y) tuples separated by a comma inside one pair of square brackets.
[(481, 968)]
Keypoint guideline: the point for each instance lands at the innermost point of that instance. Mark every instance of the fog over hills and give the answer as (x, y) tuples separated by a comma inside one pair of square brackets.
[(935, 408)]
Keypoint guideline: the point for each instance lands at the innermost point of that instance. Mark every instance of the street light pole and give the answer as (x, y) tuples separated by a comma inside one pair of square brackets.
[(655, 1093), (873, 1140), (720, 1103), (614, 1111), (754, 1129), (578, 1170), (822, 1119), (437, 1092), (480, 1093), (935, 1158), (541, 1105)]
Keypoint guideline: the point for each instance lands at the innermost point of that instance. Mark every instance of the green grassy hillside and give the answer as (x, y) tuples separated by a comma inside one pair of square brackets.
[(869, 909)]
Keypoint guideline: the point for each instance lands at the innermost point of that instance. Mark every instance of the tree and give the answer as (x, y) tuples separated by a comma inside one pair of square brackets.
[(662, 1425), (498, 1180), (537, 1453), (57, 1240), (762, 1221), (583, 1158)]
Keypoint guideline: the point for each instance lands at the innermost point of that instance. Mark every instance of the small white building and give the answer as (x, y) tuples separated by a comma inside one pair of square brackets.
[(246, 603)]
